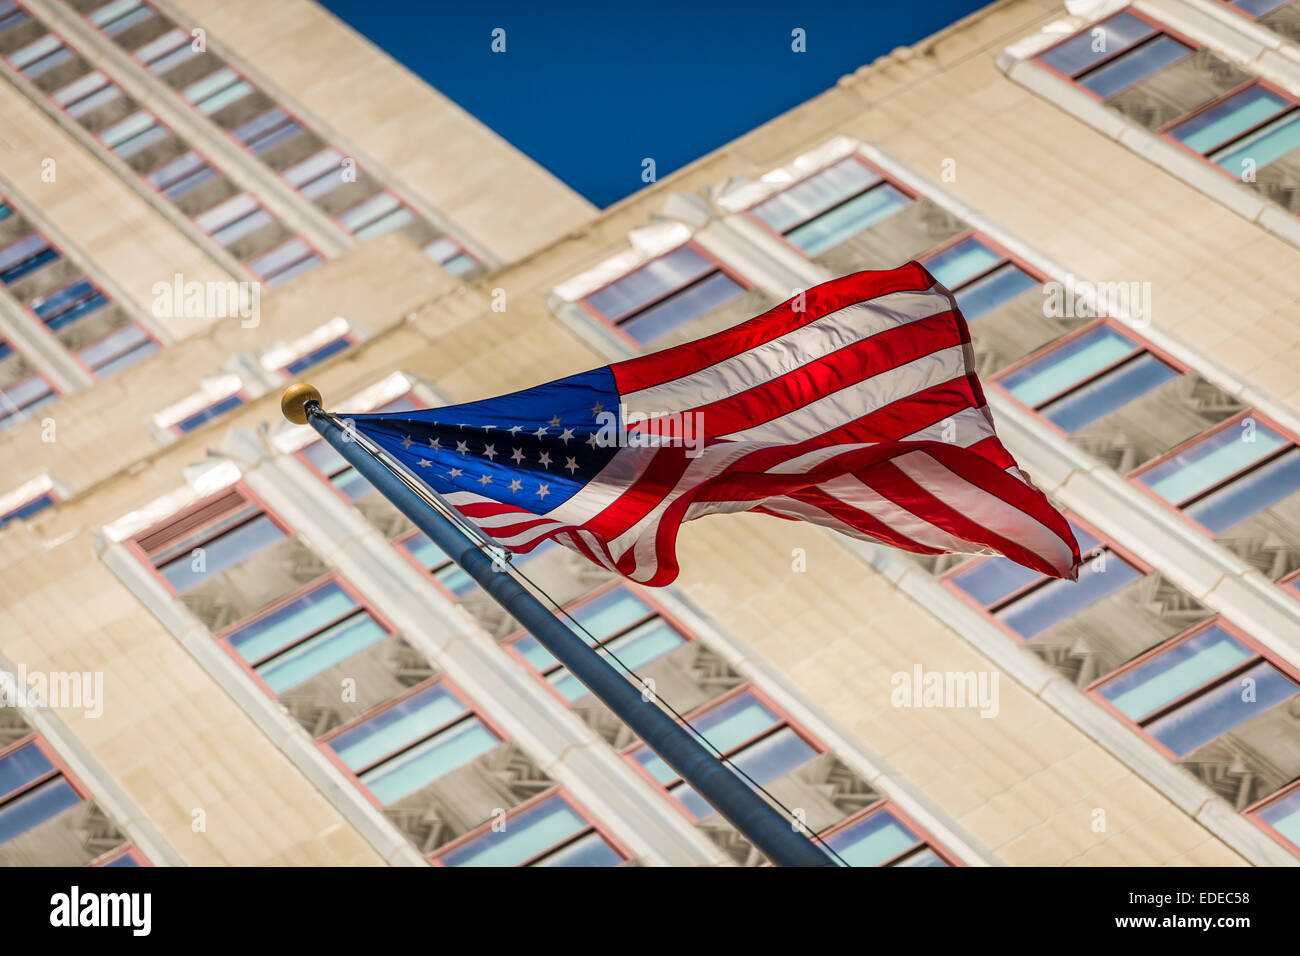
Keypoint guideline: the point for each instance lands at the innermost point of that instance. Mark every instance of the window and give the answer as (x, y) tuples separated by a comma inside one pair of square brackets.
[(879, 837), (119, 349), (451, 256), (1114, 54), (133, 134), (120, 16), (267, 130), (830, 206), (664, 294), (166, 52), (1257, 8), (1222, 479), (980, 277), (752, 735), (1249, 129), (19, 400), (285, 262), (1191, 690), (32, 789), (214, 536), (25, 256), (1027, 602), (304, 636), (177, 177), (433, 559), (1087, 377), (64, 306), (220, 407), (375, 216), (217, 90), (319, 355), (27, 509), (412, 743), (1281, 815), (85, 94), (11, 15), (231, 220), (618, 621), (39, 56), (317, 175), (548, 831)]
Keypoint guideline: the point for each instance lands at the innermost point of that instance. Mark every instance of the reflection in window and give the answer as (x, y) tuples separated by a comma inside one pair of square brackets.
[(1087, 378), (620, 623), (980, 278), (1197, 690), (830, 206), (548, 833), (664, 294)]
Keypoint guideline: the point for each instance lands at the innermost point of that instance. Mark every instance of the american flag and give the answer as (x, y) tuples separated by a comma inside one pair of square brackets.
[(854, 406)]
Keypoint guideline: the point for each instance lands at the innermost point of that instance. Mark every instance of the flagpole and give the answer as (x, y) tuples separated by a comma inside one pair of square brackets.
[(775, 836)]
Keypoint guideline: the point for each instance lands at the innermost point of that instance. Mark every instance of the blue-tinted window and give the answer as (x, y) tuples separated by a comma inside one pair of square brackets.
[(749, 733), (64, 306), (621, 624), (879, 838), (306, 637), (549, 833), (230, 546), (318, 355), (1283, 815), (24, 257), (980, 278), (1090, 47), (413, 743), (829, 207), (1234, 473), (664, 294), (1135, 65), (209, 413), (1087, 378), (23, 512)]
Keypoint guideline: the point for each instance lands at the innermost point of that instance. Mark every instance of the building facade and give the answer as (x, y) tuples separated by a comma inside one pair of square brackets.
[(224, 647)]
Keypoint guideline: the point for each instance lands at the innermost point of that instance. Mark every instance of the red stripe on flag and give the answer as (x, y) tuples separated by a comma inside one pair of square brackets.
[(646, 371)]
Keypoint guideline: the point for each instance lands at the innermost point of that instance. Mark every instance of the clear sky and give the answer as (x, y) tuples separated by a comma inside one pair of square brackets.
[(591, 89)]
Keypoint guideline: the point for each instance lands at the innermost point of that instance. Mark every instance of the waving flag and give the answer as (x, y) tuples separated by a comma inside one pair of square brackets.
[(854, 406)]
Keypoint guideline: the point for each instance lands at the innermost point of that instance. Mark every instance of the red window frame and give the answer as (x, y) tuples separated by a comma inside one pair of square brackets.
[(617, 327), (1093, 690), (1103, 544), (925, 839), (242, 394), (749, 687), (223, 636), (1245, 13), (1043, 351), (133, 545), (993, 245), (471, 710), (593, 826), (54, 390), (50, 493), (1232, 422), (657, 611), (1252, 811), (112, 856), (1132, 11), (60, 769), (1165, 131), (748, 211)]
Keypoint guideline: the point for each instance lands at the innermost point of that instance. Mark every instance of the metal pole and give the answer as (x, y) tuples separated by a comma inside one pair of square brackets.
[(726, 792)]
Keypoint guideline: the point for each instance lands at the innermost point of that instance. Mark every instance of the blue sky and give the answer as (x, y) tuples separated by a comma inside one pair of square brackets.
[(589, 90)]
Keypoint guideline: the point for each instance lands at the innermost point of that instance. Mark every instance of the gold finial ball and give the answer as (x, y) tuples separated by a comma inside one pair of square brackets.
[(293, 403)]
